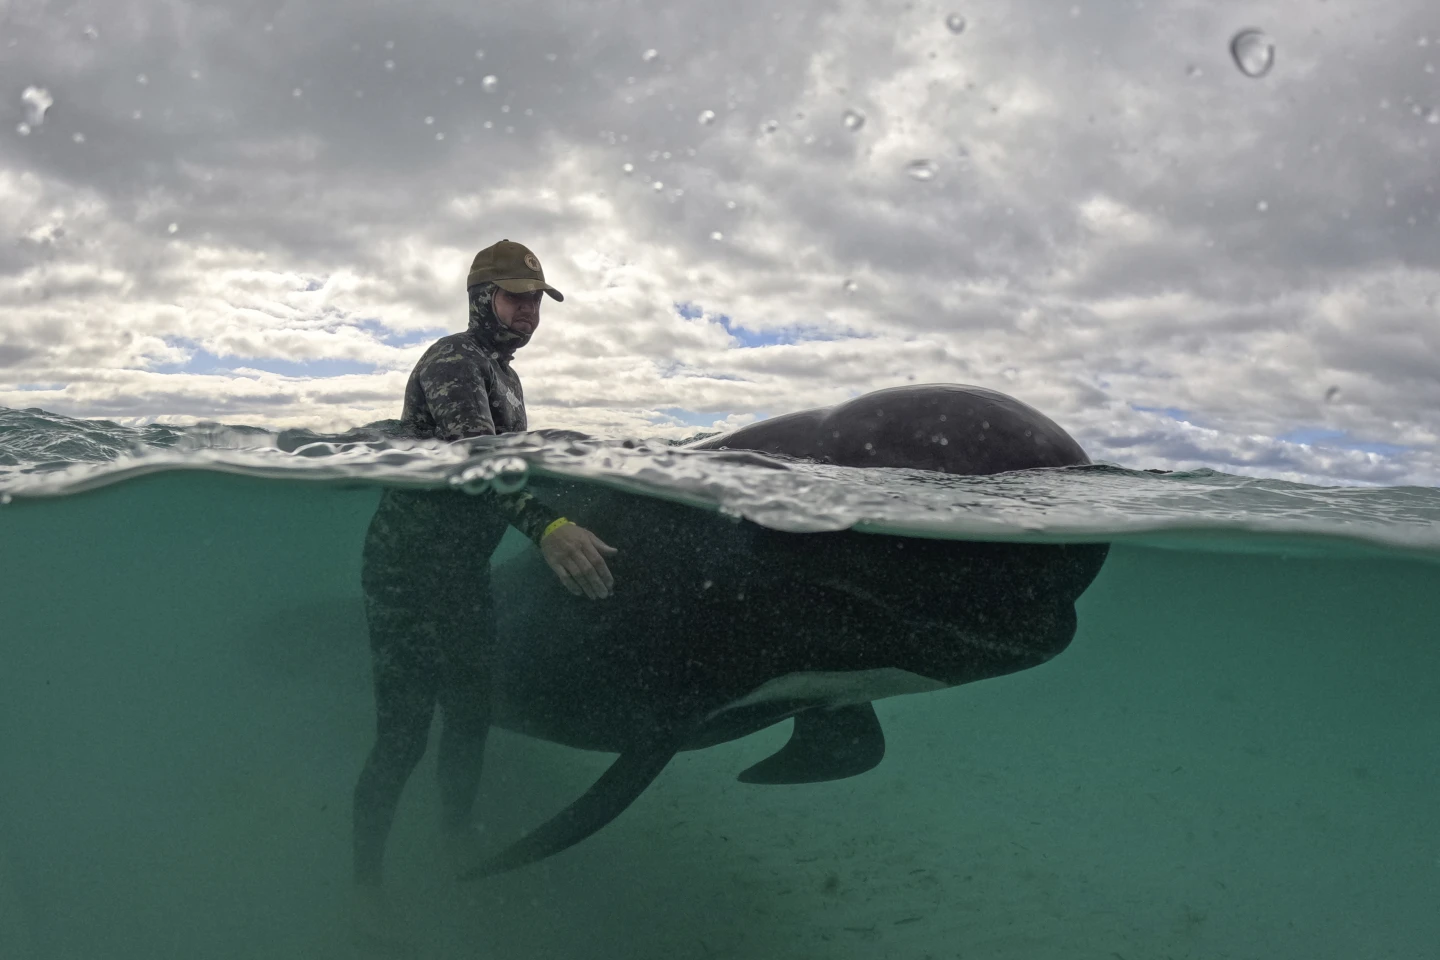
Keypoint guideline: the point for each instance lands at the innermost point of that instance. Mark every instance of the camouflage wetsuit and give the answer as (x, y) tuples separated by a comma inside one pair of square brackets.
[(426, 580)]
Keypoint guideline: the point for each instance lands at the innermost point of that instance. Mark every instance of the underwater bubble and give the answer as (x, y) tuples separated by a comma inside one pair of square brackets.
[(489, 83), (955, 23), (921, 169), (1253, 51), (707, 117), (37, 102), (853, 120), (650, 54)]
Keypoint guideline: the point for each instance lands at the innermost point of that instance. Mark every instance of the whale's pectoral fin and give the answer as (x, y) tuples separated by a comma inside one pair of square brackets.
[(617, 788), (826, 745)]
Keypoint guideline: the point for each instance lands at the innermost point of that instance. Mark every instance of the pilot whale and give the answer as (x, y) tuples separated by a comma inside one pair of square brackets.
[(719, 628)]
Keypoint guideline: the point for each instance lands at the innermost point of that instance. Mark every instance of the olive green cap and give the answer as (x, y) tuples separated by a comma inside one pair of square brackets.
[(510, 266)]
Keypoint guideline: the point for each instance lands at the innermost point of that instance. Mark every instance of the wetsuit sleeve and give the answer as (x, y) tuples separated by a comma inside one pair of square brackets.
[(456, 392)]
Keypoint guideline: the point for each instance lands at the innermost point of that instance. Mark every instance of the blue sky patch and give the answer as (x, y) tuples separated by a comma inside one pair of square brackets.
[(750, 339), (203, 362), (1340, 439), (1174, 413), (391, 338)]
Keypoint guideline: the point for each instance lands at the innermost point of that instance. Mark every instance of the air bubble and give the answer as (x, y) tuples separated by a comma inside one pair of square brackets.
[(853, 120), (955, 23), (490, 83), (921, 170), (707, 117), (1254, 52)]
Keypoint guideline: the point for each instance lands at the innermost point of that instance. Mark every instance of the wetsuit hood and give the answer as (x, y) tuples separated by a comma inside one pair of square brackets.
[(486, 327)]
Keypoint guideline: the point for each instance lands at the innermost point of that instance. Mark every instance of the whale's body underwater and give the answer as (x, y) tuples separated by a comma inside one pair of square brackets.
[(719, 628)]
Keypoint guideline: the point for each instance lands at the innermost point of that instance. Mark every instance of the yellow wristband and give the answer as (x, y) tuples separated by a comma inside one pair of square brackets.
[(554, 526)]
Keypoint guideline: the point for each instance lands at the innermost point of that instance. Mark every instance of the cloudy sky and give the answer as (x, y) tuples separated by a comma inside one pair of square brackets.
[(262, 212)]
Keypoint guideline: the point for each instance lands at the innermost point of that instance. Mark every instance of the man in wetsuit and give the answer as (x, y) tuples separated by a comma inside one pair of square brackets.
[(426, 565)]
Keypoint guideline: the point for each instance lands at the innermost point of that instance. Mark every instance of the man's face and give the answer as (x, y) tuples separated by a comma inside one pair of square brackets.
[(518, 312)]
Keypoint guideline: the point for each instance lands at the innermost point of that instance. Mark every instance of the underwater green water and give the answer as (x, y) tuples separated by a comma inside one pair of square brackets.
[(1238, 756)]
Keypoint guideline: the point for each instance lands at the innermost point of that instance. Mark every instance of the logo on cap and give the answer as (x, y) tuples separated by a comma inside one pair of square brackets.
[(531, 262)]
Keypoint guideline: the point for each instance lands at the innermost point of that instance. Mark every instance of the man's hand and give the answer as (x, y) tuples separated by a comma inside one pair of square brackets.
[(574, 553)]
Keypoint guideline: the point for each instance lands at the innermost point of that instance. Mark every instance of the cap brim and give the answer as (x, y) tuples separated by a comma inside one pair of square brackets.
[(528, 286)]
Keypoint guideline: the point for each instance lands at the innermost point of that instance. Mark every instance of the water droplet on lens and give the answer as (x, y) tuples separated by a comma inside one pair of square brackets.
[(921, 169), (629, 168), (717, 235), (1254, 52), (1433, 116), (142, 79), (658, 186), (37, 102), (23, 129), (173, 228), (850, 286), (1262, 206), (297, 92), (707, 117), (853, 120), (429, 121), (955, 23), (489, 83), (78, 138), (439, 136), (389, 64), (650, 54)]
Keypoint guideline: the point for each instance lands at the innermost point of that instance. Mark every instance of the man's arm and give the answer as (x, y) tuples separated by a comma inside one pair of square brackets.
[(459, 400)]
